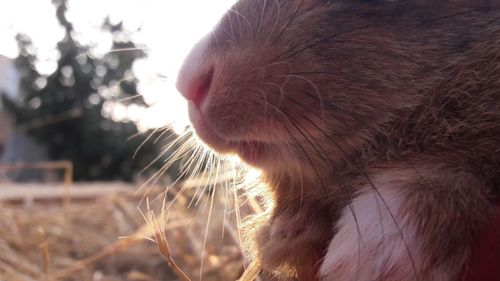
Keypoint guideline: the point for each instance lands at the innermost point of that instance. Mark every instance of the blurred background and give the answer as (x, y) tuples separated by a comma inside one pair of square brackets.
[(88, 106)]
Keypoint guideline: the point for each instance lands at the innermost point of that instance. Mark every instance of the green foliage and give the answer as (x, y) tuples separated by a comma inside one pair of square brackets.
[(64, 110)]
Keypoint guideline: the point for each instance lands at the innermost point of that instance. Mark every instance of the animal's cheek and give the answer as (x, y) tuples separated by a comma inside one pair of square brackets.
[(236, 117)]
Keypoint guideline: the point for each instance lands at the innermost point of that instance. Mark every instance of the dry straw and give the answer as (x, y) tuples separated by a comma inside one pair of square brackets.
[(160, 238)]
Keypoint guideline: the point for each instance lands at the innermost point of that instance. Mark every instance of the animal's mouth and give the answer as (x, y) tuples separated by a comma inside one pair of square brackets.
[(252, 152)]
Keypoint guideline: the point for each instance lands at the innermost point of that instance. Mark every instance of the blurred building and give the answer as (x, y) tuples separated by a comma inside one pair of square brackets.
[(9, 77), (9, 86), (15, 146)]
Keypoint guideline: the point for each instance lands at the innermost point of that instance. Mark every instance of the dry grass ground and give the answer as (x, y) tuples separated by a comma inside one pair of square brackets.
[(105, 237)]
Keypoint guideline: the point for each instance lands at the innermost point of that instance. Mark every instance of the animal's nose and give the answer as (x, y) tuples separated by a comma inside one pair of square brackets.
[(196, 87), (195, 76)]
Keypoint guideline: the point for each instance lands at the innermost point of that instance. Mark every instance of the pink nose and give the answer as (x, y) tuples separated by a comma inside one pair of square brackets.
[(199, 88), (196, 75)]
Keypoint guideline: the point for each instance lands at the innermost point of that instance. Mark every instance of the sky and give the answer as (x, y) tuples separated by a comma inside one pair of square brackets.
[(168, 29)]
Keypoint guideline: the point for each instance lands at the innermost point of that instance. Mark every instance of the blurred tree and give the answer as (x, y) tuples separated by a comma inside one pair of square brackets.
[(64, 111)]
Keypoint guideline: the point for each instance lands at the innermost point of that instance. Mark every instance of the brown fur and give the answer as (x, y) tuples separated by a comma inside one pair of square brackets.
[(331, 94)]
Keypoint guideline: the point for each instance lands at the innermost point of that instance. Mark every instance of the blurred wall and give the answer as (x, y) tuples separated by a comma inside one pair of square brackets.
[(16, 147), (5, 129)]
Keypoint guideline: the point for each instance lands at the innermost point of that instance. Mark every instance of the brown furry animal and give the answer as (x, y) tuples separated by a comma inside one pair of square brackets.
[(376, 125)]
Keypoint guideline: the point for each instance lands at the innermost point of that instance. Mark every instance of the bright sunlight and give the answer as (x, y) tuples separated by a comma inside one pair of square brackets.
[(165, 29)]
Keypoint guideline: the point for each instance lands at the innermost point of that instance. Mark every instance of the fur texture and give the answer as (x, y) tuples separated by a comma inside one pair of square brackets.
[(376, 125)]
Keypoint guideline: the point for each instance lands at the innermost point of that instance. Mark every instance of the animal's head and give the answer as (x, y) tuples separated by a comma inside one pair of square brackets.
[(297, 84)]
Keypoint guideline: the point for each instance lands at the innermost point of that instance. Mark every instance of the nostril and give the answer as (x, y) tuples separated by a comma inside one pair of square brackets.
[(200, 88)]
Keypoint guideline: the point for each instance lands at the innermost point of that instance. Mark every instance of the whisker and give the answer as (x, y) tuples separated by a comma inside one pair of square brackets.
[(262, 15), (297, 143), (144, 142), (292, 18), (276, 22), (310, 82), (250, 28), (212, 198)]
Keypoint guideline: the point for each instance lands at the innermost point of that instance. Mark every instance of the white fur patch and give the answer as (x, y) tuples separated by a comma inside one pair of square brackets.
[(374, 241)]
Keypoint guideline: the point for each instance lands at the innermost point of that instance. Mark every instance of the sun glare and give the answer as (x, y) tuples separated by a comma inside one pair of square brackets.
[(166, 29)]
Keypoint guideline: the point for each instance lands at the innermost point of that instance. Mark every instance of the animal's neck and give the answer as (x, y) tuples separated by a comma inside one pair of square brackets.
[(326, 185)]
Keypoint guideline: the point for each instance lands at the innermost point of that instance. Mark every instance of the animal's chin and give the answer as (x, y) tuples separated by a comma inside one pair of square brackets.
[(252, 152)]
